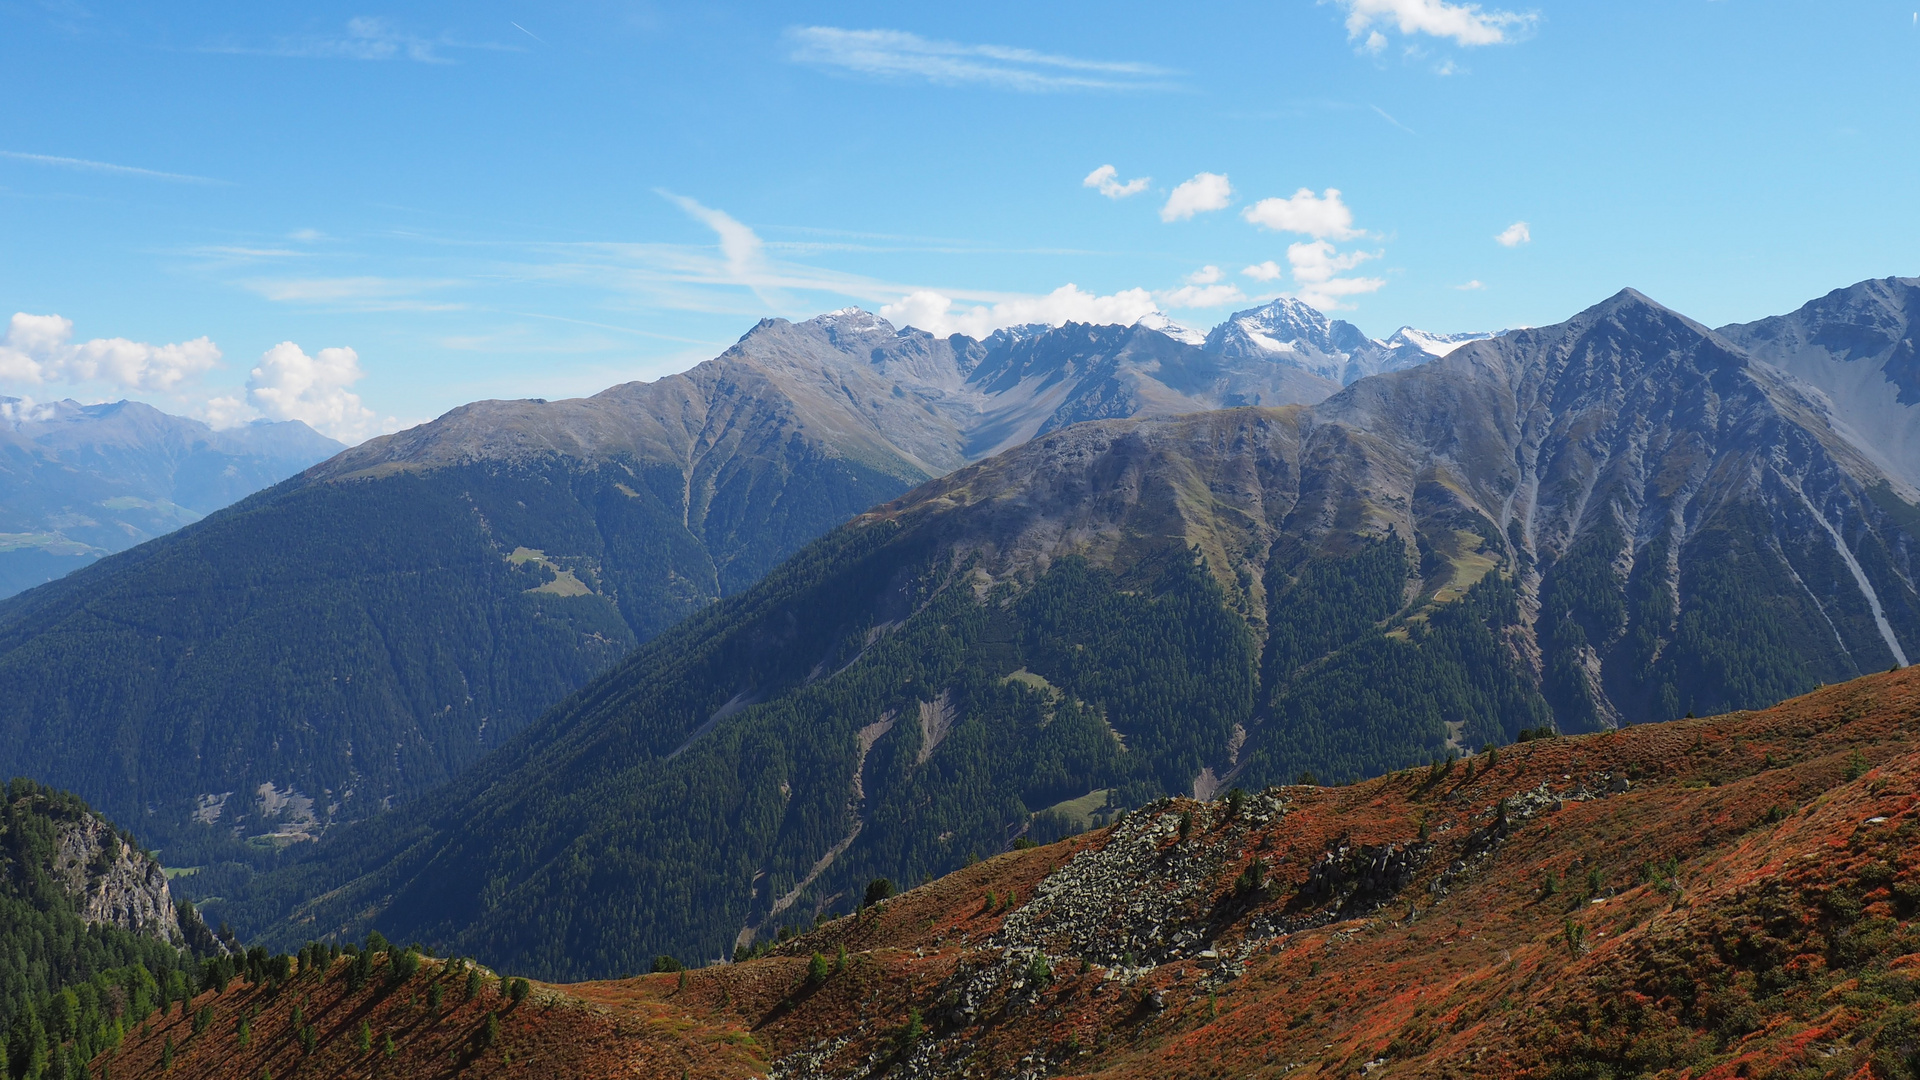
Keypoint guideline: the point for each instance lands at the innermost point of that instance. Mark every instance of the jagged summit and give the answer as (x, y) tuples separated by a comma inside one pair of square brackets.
[(1287, 331)]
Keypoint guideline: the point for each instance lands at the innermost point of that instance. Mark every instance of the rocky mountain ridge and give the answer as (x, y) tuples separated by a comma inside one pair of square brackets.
[(1286, 331), (468, 573), (1856, 346), (1615, 519)]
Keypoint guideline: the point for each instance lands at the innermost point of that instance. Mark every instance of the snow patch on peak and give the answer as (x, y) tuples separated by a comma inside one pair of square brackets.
[(852, 318), (1154, 320), (1019, 332), (1292, 319), (1430, 343)]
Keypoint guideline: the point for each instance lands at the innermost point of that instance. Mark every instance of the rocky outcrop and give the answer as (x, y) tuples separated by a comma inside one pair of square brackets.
[(113, 882)]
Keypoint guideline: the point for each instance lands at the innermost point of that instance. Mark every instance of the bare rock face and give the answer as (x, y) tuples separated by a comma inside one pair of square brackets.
[(113, 882), (1856, 346)]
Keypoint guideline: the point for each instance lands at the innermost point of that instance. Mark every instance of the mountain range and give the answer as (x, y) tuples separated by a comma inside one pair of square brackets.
[(1134, 568), (81, 481), (1620, 518), (362, 632), (1723, 897)]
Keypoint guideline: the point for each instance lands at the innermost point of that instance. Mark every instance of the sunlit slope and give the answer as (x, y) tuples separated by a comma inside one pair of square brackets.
[(1619, 518)]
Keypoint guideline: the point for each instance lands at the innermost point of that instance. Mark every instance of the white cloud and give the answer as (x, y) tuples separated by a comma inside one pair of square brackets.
[(1472, 286), (1200, 296), (1464, 24), (897, 54), (1205, 192), (739, 245), (1107, 179), (935, 313), (39, 349), (1206, 275), (367, 38), (1266, 271), (290, 385), (357, 293), (1328, 295), (1317, 261), (1514, 235), (1321, 216), (107, 167)]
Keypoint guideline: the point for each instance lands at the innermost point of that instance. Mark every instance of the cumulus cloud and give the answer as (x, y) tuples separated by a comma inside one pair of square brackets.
[(1206, 275), (288, 384), (1265, 271), (1331, 295), (40, 348), (936, 314), (1319, 216), (1107, 179), (1205, 192), (1463, 24), (1200, 296), (1514, 235), (1317, 261), (897, 54)]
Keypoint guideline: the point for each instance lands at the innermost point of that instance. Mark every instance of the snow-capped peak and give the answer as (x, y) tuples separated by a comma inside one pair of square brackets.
[(853, 319), (1154, 320), (1430, 343)]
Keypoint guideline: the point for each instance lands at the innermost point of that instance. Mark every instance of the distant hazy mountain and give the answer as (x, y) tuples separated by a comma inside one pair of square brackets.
[(1622, 517), (364, 631), (1289, 332), (1857, 346), (81, 481)]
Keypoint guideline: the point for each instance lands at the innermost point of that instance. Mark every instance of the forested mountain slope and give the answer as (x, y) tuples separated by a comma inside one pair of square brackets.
[(81, 481), (364, 631), (1702, 898), (1617, 518), (89, 933)]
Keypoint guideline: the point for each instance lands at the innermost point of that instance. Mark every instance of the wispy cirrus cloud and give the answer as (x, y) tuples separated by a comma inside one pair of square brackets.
[(365, 38), (898, 54), (738, 273), (85, 165), (357, 293)]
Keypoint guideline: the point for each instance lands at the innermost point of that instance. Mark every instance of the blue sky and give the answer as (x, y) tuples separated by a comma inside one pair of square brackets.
[(371, 214)]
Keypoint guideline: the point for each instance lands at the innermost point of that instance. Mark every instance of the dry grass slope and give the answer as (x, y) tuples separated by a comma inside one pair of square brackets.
[(1710, 898)]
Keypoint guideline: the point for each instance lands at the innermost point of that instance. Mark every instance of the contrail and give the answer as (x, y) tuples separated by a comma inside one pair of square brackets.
[(526, 31)]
